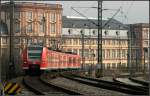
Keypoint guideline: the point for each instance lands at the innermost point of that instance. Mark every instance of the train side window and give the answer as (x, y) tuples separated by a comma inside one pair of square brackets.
[(74, 60), (70, 60)]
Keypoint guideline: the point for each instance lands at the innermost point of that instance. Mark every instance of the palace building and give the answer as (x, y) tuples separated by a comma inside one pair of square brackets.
[(77, 30), (33, 23)]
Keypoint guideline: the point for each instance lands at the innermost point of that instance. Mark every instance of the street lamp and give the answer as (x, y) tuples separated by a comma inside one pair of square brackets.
[(82, 37)]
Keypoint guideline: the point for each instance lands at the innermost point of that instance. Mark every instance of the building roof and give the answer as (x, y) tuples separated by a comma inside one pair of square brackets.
[(3, 28), (143, 25), (77, 22)]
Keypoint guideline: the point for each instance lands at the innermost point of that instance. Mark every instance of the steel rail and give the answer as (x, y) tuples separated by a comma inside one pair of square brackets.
[(105, 85)]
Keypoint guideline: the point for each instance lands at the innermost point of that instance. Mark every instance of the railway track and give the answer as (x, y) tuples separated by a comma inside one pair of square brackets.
[(144, 83), (129, 83), (41, 87), (114, 86)]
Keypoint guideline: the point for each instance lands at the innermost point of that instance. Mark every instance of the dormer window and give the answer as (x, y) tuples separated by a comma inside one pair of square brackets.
[(81, 32), (120, 27), (117, 33), (108, 26), (73, 25), (127, 33), (106, 32), (94, 32), (69, 31)]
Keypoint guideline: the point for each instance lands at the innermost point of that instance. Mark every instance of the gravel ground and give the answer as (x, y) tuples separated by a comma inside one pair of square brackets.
[(89, 90)]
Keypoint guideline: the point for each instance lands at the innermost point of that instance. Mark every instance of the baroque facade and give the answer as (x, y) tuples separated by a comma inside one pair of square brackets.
[(32, 23), (114, 43)]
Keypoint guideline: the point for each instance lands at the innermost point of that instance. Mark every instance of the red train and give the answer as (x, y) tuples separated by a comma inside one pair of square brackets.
[(38, 58)]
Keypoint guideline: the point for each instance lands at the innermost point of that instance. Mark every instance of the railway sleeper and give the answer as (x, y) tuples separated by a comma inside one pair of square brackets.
[(66, 90), (36, 91), (140, 82), (108, 86), (139, 88)]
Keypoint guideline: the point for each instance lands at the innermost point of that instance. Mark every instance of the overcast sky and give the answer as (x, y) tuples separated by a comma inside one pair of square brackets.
[(136, 11)]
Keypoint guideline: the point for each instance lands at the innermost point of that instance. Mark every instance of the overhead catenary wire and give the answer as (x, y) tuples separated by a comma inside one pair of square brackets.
[(73, 8)]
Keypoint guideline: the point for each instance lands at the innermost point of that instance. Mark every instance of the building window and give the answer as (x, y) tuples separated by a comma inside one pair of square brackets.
[(108, 65), (113, 42), (4, 40), (127, 33), (75, 51), (118, 53), (103, 53), (69, 31), (94, 33), (29, 15), (123, 42), (108, 42), (145, 34), (17, 27), (53, 28), (40, 41), (17, 41), (69, 50), (53, 17), (113, 65), (75, 41), (69, 41), (124, 65), (106, 32), (40, 15), (117, 33), (113, 53), (92, 42), (80, 52), (92, 51), (103, 42), (120, 27), (123, 53), (145, 43), (29, 27), (86, 41), (108, 26), (29, 41), (80, 42), (119, 65), (17, 15), (86, 52), (108, 53), (41, 27)]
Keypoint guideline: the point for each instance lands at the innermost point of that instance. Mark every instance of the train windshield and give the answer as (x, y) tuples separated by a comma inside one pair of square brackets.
[(34, 53)]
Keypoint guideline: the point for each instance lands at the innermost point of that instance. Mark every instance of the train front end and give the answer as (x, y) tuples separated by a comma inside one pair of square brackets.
[(33, 62)]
